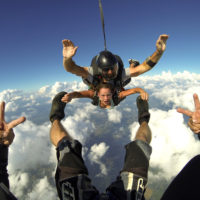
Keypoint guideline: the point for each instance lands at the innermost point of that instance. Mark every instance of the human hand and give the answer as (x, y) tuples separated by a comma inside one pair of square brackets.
[(69, 50), (144, 95), (194, 120), (67, 98), (161, 43), (6, 129)]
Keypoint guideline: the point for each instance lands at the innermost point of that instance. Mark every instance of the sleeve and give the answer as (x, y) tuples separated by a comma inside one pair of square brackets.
[(126, 74), (90, 75), (3, 164), (90, 71)]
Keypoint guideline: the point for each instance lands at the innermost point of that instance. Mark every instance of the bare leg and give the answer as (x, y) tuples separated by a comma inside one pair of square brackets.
[(58, 132), (144, 133)]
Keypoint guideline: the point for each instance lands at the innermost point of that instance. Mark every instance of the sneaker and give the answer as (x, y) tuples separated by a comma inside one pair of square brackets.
[(143, 110), (57, 107)]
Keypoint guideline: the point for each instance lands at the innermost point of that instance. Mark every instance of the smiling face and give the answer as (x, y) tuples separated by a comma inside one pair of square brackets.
[(105, 96), (110, 73)]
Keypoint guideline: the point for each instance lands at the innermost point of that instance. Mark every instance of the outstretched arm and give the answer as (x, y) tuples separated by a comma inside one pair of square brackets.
[(81, 94), (194, 120), (144, 95), (6, 138), (149, 63), (69, 50)]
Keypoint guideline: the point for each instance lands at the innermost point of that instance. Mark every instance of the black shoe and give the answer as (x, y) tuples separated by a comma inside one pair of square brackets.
[(133, 61), (143, 110), (57, 107)]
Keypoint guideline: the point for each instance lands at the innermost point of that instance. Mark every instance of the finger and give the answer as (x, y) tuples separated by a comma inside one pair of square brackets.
[(75, 49), (185, 112), (197, 132), (70, 43), (8, 137), (16, 122), (2, 111), (194, 128), (164, 37), (65, 42), (196, 102)]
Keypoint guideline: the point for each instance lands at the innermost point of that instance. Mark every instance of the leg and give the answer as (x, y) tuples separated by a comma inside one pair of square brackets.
[(71, 177), (132, 181), (144, 132), (58, 132)]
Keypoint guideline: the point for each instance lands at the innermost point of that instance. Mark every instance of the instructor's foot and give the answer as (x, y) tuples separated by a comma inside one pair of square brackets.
[(143, 110), (57, 107)]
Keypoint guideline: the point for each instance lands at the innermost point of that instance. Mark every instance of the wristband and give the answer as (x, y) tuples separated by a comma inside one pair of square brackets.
[(150, 62)]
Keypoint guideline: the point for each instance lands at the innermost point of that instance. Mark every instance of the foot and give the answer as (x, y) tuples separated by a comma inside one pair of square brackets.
[(135, 62), (143, 110), (57, 107)]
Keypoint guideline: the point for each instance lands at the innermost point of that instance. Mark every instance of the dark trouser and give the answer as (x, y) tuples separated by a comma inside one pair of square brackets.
[(186, 184), (3, 165), (72, 180)]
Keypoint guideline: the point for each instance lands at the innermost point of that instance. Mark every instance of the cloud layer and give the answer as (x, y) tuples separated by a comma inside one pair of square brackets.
[(32, 159)]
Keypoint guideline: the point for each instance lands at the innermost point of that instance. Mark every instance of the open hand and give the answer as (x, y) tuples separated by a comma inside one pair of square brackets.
[(67, 98), (144, 95), (69, 50)]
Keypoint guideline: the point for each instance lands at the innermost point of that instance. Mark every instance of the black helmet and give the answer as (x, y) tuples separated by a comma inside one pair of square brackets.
[(107, 61)]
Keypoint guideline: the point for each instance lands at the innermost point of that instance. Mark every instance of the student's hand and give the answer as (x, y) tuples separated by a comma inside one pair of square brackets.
[(69, 50), (6, 129), (161, 43), (144, 95), (194, 120), (67, 98)]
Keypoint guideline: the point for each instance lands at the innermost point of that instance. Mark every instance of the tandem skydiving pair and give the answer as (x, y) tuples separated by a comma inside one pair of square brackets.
[(107, 76)]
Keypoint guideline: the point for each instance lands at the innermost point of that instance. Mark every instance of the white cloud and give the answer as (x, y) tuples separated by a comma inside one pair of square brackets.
[(42, 190), (95, 155), (114, 115), (173, 143)]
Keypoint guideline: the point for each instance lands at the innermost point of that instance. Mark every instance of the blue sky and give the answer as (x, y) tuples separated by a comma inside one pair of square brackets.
[(32, 31)]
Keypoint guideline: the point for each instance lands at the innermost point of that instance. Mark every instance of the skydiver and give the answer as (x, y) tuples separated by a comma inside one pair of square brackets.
[(108, 65), (72, 179), (186, 184), (6, 138), (104, 96)]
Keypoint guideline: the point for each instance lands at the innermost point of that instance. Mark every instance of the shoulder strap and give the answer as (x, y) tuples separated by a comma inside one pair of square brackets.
[(95, 99)]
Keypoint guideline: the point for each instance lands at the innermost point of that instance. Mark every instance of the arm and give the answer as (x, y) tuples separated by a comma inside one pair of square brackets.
[(6, 138), (194, 120), (69, 50), (149, 63), (144, 95), (82, 94)]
